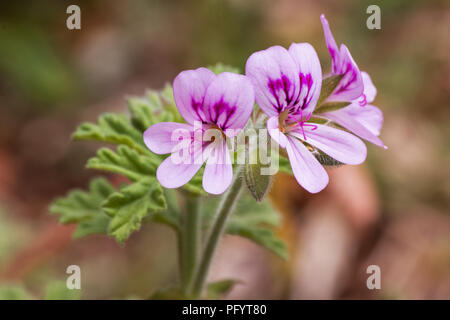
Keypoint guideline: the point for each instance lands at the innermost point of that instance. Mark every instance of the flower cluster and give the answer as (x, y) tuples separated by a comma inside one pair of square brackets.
[(286, 85)]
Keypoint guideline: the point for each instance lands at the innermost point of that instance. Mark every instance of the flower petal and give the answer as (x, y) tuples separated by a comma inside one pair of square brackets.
[(370, 91), (189, 89), (218, 170), (351, 85), (332, 46), (310, 74), (275, 133), (181, 166), (338, 144), (229, 101), (171, 174), (366, 123), (371, 117), (275, 77), (163, 137), (308, 172)]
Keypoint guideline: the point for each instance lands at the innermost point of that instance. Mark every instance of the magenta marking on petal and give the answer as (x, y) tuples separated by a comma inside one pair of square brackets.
[(196, 107), (350, 76), (284, 84), (363, 102), (221, 107), (307, 79)]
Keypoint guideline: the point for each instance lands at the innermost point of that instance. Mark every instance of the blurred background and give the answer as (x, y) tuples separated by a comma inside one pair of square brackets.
[(393, 211)]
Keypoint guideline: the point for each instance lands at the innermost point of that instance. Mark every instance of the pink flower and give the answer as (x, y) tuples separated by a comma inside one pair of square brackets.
[(359, 117), (205, 101), (287, 87)]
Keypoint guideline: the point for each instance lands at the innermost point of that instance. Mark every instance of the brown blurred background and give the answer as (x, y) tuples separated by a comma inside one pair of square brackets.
[(392, 211)]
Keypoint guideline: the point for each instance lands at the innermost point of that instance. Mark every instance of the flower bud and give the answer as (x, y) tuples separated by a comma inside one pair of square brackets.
[(257, 183)]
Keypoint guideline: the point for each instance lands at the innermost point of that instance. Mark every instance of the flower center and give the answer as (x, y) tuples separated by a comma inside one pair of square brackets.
[(287, 122)]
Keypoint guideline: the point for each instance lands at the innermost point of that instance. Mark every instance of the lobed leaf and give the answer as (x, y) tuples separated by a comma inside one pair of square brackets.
[(79, 206), (128, 207), (125, 161), (97, 224), (156, 106), (142, 114), (252, 220), (112, 128)]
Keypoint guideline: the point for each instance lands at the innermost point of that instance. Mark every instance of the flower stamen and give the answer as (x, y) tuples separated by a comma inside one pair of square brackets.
[(302, 123)]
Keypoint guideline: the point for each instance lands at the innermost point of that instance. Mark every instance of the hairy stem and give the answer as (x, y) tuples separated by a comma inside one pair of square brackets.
[(190, 243), (224, 210)]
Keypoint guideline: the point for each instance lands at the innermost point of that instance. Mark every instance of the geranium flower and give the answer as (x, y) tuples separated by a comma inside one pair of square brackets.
[(359, 117), (207, 102), (287, 87)]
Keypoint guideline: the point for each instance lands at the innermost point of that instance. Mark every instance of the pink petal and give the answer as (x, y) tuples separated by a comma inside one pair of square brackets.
[(362, 124), (189, 89), (338, 144), (218, 170), (308, 172), (370, 91), (369, 116), (163, 137), (310, 75), (275, 77), (173, 175), (275, 133), (229, 101), (351, 85), (331, 44)]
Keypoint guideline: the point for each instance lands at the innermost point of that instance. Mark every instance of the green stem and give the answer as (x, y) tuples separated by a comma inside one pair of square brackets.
[(190, 241), (224, 210)]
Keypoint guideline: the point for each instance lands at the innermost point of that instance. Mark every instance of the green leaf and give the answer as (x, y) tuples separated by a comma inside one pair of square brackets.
[(169, 107), (331, 106), (218, 289), (128, 207), (58, 291), (112, 128), (136, 166), (125, 161), (156, 106), (79, 206), (97, 224), (220, 67), (328, 85), (195, 185), (171, 216), (262, 236), (142, 114), (252, 220), (14, 292)]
